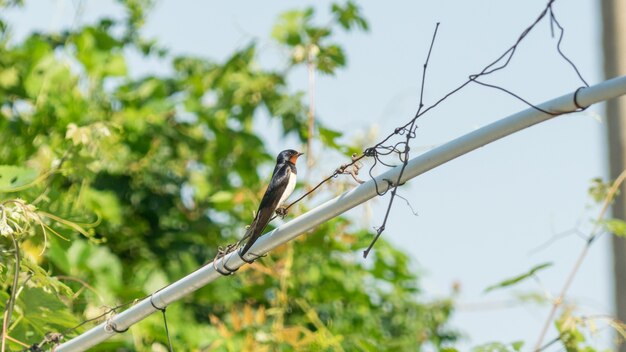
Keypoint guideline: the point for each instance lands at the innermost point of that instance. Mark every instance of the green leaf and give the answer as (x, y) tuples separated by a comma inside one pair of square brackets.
[(517, 345), (45, 310), (77, 256), (570, 334), (514, 280), (8, 77), (221, 197), (616, 227), (99, 53), (499, 347), (115, 65), (56, 253), (538, 298), (289, 27), (330, 58), (12, 177), (105, 204), (155, 281), (349, 16), (316, 34), (598, 189), (328, 136), (41, 278), (49, 74)]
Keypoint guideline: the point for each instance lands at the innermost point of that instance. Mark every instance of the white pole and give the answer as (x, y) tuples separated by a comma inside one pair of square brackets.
[(348, 200)]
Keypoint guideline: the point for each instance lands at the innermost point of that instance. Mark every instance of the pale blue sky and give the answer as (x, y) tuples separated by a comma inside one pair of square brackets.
[(480, 216)]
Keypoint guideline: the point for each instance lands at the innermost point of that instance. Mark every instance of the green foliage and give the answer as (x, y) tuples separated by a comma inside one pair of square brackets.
[(12, 177), (615, 226), (600, 192), (127, 184), (309, 42), (349, 16), (599, 189), (9, 3), (570, 333), (516, 279), (499, 347), (329, 137)]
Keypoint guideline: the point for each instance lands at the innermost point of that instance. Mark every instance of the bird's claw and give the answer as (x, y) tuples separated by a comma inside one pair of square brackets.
[(282, 212), (221, 254), (249, 261)]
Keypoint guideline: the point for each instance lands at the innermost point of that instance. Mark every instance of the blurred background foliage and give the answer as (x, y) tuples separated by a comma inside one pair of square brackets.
[(112, 187)]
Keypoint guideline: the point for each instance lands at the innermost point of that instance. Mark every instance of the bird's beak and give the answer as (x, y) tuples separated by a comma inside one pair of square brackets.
[(295, 157)]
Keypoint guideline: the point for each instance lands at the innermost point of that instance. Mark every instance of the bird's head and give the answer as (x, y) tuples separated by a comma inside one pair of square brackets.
[(288, 155)]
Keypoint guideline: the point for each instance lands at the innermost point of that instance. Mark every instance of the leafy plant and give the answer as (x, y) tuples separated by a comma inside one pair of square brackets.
[(130, 183), (516, 279)]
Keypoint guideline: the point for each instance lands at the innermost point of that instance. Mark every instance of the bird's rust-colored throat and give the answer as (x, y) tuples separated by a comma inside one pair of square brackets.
[(294, 158)]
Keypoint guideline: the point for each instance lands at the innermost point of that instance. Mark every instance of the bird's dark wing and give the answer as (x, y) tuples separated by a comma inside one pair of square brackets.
[(268, 205)]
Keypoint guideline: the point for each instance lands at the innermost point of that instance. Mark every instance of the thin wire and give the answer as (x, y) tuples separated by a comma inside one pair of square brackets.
[(167, 331), (409, 135), (47, 339), (409, 129), (553, 20), (341, 170), (550, 343)]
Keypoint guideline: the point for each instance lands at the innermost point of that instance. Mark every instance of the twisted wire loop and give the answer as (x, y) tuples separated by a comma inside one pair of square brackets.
[(221, 254), (154, 305), (246, 260), (111, 326), (578, 106)]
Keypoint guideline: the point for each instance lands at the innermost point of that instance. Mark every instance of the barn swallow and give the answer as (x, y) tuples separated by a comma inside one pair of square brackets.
[(282, 184)]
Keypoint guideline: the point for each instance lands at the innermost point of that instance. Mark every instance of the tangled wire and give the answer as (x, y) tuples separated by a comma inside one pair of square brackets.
[(380, 152)]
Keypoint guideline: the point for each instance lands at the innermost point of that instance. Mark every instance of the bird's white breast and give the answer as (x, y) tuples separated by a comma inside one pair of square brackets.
[(291, 185)]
